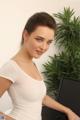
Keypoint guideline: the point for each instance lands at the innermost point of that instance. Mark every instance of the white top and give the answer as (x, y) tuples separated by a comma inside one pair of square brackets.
[(26, 92)]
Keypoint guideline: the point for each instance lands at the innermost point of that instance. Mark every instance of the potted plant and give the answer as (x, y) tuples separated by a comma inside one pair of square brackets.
[(65, 64)]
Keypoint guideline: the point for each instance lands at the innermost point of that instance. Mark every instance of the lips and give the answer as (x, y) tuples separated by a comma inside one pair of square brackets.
[(39, 52)]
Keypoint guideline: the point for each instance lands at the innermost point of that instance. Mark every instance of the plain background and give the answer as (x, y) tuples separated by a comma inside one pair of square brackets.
[(13, 16)]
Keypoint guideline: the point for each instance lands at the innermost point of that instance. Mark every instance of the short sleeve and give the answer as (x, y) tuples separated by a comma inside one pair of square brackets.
[(8, 71)]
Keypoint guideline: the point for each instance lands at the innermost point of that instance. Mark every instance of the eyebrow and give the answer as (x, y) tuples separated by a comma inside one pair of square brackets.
[(43, 38), (40, 37)]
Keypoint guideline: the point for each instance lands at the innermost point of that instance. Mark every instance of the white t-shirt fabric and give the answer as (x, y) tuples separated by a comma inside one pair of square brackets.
[(26, 92)]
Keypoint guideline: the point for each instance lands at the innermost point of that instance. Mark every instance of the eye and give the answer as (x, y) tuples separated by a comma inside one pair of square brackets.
[(49, 42), (39, 39)]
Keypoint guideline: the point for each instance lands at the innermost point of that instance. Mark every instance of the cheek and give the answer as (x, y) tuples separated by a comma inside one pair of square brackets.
[(47, 48), (34, 45)]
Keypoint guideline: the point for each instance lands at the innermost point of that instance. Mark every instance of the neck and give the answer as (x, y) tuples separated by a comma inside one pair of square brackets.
[(23, 56)]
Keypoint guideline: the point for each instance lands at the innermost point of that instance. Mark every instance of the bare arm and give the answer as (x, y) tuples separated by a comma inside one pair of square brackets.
[(4, 85), (49, 102)]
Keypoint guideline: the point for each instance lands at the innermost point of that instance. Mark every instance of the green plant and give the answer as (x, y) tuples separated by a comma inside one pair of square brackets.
[(65, 65)]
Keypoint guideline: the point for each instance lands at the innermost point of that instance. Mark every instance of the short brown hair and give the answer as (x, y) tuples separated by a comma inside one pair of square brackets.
[(39, 19)]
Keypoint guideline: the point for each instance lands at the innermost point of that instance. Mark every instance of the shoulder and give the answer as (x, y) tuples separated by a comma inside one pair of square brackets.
[(8, 71), (7, 66)]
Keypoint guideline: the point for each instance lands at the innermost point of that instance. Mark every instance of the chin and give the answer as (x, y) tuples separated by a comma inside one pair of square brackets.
[(37, 56)]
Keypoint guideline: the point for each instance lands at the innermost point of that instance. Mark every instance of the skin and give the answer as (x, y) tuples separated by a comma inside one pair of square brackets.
[(35, 44), (39, 41)]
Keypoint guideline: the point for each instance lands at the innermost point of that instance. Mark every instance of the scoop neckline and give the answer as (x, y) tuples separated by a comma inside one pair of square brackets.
[(24, 71)]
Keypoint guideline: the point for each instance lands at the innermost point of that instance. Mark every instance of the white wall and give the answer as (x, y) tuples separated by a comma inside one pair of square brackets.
[(13, 16)]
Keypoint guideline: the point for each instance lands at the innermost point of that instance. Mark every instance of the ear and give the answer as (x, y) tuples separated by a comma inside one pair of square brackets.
[(25, 35)]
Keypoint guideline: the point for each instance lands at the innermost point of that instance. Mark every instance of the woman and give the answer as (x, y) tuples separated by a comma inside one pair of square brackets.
[(21, 77)]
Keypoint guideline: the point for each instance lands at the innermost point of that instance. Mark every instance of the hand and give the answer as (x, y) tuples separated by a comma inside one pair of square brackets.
[(72, 115), (8, 118)]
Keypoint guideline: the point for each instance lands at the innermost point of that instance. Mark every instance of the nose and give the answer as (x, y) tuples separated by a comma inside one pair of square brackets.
[(44, 46)]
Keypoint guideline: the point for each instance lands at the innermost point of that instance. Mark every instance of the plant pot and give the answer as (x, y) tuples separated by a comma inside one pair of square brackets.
[(50, 114), (69, 94)]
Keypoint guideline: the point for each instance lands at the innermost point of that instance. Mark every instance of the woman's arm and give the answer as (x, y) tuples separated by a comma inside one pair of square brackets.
[(49, 102), (6, 116), (4, 85)]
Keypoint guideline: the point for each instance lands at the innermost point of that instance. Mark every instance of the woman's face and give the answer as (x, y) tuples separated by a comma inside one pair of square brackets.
[(38, 41)]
